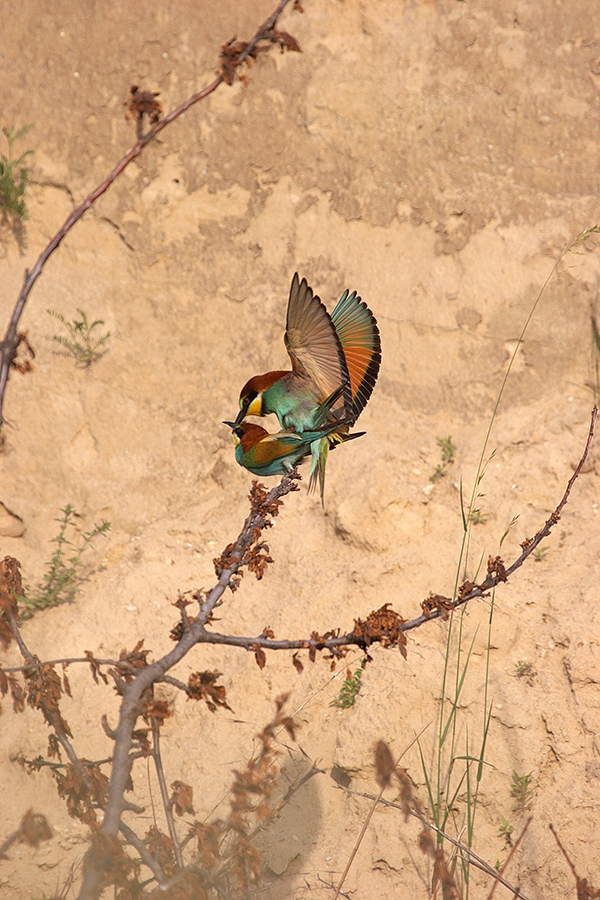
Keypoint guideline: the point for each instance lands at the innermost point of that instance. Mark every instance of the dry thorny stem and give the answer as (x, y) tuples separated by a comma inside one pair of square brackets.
[(386, 770), (141, 103), (585, 891), (88, 791), (383, 626), (82, 784), (466, 852)]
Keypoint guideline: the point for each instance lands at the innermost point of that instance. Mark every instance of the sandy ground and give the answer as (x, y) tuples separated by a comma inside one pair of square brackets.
[(436, 157)]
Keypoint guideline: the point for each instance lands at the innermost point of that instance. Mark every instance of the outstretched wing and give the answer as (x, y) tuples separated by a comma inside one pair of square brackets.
[(356, 328), (312, 342)]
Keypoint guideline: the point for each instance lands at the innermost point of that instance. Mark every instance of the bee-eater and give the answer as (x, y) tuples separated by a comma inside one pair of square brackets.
[(274, 454), (341, 351)]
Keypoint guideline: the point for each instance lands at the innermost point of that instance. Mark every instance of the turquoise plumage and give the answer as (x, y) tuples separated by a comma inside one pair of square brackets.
[(338, 354)]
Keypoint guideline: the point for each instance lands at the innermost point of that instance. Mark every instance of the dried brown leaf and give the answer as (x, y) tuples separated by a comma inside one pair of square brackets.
[(154, 708), (442, 874), (426, 842), (202, 686), (437, 603), (259, 656), (109, 856), (496, 568), (143, 103), (95, 667), (66, 685), (81, 799), (140, 736), (466, 589), (17, 693), (257, 560), (22, 365), (10, 588), (53, 747), (161, 847), (182, 798), (246, 861), (209, 841), (44, 690), (286, 41), (381, 625)]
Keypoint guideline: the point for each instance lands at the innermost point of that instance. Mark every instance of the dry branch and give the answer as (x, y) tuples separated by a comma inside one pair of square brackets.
[(99, 860), (243, 552), (474, 859), (229, 63), (134, 678)]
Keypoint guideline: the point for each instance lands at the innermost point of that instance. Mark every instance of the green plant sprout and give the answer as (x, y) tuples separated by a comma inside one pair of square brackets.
[(521, 791), (348, 691), (524, 669), (477, 517), (13, 179), (81, 343), (505, 831), (66, 568), (455, 776), (512, 522), (539, 553), (448, 451)]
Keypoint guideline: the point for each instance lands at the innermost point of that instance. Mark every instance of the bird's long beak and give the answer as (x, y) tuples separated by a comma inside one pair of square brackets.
[(240, 418), (231, 424)]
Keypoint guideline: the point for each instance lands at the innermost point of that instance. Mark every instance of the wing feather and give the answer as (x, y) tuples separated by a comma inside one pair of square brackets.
[(275, 446), (312, 342), (356, 328)]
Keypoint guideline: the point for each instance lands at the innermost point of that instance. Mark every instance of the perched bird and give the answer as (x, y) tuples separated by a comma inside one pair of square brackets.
[(275, 454), (327, 353)]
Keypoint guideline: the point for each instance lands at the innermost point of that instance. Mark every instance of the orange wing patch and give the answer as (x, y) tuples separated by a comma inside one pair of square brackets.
[(356, 328)]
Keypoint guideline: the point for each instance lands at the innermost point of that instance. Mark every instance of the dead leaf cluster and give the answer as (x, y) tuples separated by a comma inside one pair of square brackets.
[(143, 103), (381, 625), (11, 587), (202, 686), (235, 52)]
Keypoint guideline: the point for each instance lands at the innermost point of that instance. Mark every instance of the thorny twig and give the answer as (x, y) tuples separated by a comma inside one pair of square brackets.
[(97, 864), (52, 717), (333, 643), (474, 859), (140, 677), (370, 816), (8, 345), (497, 574), (513, 850), (163, 790)]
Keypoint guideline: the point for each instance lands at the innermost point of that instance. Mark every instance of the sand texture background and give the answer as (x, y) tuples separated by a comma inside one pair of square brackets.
[(436, 156)]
